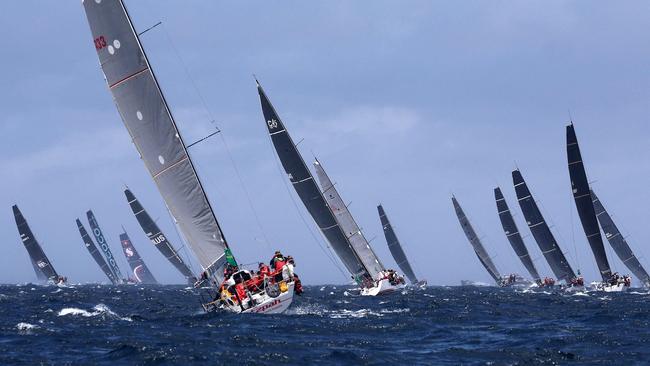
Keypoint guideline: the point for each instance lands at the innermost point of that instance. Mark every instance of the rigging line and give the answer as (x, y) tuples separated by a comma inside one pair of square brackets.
[(327, 253), (223, 139)]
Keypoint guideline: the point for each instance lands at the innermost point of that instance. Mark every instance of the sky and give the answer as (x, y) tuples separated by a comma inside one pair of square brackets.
[(404, 104)]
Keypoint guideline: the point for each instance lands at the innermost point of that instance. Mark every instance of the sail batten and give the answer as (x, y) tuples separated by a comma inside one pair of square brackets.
[(395, 247), (148, 118), (308, 191), (618, 242), (584, 203), (540, 230), (37, 256), (513, 235), (474, 240)]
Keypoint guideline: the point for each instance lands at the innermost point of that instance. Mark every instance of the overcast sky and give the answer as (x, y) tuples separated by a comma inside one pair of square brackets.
[(404, 103)]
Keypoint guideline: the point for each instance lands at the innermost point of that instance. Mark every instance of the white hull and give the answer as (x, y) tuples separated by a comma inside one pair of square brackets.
[(606, 287), (383, 287), (270, 305)]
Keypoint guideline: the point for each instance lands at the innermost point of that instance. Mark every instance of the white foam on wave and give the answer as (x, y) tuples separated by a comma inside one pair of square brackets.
[(395, 311), (26, 327), (346, 314), (98, 310), (580, 293), (322, 288)]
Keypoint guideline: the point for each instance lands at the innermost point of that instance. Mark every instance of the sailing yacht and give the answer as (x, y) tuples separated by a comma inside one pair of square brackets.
[(42, 266), (611, 282), (328, 211), (151, 124)]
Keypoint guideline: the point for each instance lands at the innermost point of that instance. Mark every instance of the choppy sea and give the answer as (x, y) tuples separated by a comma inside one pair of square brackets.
[(328, 325)]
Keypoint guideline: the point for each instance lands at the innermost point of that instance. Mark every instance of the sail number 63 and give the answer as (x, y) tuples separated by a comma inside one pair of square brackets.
[(100, 42)]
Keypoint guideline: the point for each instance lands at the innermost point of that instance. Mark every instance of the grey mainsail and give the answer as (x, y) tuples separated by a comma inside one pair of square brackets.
[(478, 247), (540, 230), (36, 254), (157, 237), (150, 123), (139, 269), (618, 242), (584, 204), (103, 244), (395, 247), (303, 182), (513, 235), (96, 254), (349, 225)]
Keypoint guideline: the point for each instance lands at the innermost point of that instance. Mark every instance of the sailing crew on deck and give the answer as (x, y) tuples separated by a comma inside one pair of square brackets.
[(263, 270)]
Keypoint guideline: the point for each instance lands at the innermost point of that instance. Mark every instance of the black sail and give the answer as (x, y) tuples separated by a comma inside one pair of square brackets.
[(540, 230), (303, 182), (618, 242), (103, 244), (39, 274), (139, 269), (158, 239), (584, 204), (474, 240), (395, 247), (37, 256), (95, 253), (513, 235)]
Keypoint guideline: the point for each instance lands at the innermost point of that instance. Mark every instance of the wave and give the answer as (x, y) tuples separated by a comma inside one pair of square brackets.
[(26, 328), (98, 310)]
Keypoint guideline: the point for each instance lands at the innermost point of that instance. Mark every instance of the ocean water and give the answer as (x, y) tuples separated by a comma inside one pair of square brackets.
[(89, 324)]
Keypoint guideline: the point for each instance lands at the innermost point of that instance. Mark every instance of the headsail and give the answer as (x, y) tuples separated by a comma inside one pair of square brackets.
[(148, 119), (395, 247), (513, 235), (618, 242), (103, 244), (157, 237), (96, 254), (479, 249), (540, 230), (348, 225), (37, 256), (303, 182), (140, 270), (584, 204)]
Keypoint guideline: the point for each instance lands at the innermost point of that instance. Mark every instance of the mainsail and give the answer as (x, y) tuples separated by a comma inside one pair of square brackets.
[(540, 230), (303, 182), (395, 247), (103, 244), (349, 225), (37, 256), (150, 123), (479, 249), (584, 204), (513, 235), (618, 242), (156, 236), (140, 270), (96, 254)]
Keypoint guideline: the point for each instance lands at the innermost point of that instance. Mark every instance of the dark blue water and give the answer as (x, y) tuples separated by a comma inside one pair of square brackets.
[(442, 325)]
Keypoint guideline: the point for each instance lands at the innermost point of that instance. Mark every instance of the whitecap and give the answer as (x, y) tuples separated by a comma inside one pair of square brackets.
[(99, 309), (26, 327)]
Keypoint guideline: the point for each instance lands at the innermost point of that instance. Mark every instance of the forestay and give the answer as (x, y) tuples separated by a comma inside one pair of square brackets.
[(157, 237), (584, 204), (513, 235), (303, 182), (95, 253), (540, 230), (150, 123), (618, 242), (36, 254), (479, 249), (348, 225), (395, 247)]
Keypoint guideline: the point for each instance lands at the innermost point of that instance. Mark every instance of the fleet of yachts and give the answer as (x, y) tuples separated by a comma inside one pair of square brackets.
[(270, 289)]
